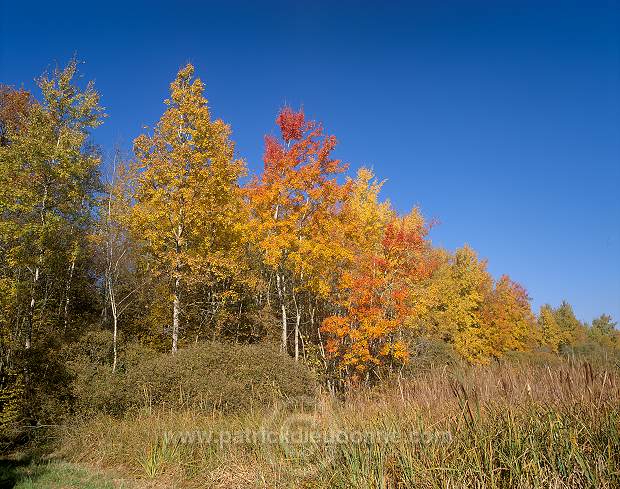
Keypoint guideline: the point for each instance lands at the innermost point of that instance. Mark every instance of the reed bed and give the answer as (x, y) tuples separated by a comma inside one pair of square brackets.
[(490, 427)]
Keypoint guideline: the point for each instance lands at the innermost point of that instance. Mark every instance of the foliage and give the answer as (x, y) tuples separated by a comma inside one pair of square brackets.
[(207, 376), (49, 174), (552, 335), (177, 252), (572, 330), (187, 213), (366, 336), (294, 206)]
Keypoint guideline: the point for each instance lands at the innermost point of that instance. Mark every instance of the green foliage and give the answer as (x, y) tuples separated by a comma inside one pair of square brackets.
[(572, 330), (207, 376), (35, 392), (604, 326), (48, 177), (428, 354), (604, 333), (18, 474), (11, 403)]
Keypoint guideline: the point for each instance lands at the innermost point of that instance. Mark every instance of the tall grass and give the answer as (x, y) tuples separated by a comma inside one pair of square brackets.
[(493, 427)]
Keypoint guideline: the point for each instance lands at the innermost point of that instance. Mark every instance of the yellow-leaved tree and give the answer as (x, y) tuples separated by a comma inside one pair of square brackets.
[(453, 303), (188, 212), (509, 323), (549, 328)]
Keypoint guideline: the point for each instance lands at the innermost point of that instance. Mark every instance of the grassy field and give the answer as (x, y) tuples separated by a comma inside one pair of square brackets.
[(493, 427), (16, 474)]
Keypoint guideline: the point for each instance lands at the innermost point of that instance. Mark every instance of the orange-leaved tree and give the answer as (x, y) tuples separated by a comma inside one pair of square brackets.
[(509, 323), (292, 204), (366, 336)]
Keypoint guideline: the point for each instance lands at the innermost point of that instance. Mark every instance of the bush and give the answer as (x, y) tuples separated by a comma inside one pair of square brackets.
[(208, 376), (34, 392), (595, 353), (426, 354), (94, 346), (536, 358)]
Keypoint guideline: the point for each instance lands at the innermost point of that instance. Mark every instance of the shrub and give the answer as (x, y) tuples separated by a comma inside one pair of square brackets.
[(595, 352), (94, 346), (426, 354), (207, 376), (34, 392), (536, 358)]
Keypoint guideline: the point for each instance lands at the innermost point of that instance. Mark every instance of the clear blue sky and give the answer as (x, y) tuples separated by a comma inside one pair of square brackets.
[(499, 118)]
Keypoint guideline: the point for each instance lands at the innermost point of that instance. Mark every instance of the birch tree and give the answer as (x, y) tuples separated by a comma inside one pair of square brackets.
[(187, 211), (48, 179)]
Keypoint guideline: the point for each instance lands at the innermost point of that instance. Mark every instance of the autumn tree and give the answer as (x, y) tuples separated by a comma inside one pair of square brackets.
[(292, 205), (604, 332), (573, 331), (367, 335), (48, 179), (604, 325), (188, 213), (451, 303), (508, 320), (364, 217), (14, 107), (115, 252), (551, 334)]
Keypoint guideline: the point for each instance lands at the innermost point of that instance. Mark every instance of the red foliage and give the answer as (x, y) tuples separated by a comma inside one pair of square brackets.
[(291, 124), (14, 105), (273, 151), (379, 302)]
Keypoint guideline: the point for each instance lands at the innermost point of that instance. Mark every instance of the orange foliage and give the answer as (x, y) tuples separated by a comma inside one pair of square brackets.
[(368, 334)]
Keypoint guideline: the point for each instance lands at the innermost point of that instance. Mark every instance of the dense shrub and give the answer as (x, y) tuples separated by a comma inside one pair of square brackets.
[(426, 354), (35, 392), (208, 376), (94, 347), (594, 352), (535, 358)]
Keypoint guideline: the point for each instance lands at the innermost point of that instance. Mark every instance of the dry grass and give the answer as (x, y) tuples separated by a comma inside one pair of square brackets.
[(498, 426)]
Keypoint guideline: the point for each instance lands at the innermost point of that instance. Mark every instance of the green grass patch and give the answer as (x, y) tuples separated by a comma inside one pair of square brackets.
[(53, 475)]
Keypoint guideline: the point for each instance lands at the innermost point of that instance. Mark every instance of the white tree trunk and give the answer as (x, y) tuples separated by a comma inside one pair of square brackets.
[(114, 341), (176, 306), (297, 322), (280, 287), (68, 292), (113, 307), (35, 280)]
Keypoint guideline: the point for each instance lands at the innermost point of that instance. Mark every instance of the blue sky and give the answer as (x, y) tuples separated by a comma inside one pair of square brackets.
[(501, 119)]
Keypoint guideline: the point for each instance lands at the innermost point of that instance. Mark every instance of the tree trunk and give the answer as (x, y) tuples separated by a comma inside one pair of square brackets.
[(37, 271), (297, 322), (114, 341), (29, 323), (68, 292), (280, 287), (176, 306), (113, 307)]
